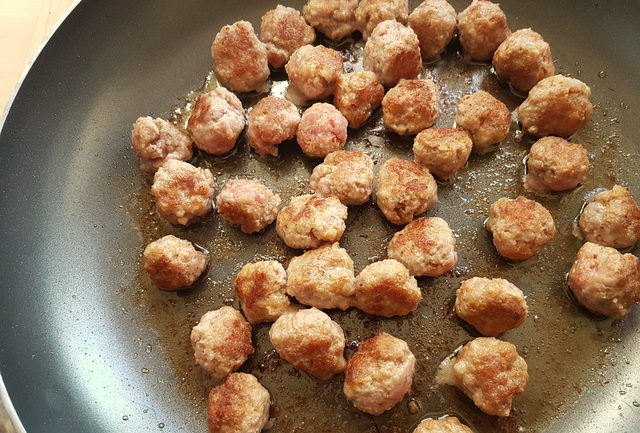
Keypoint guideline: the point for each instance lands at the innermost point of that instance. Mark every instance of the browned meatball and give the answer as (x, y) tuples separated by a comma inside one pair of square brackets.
[(489, 371), (347, 175), (283, 31), (411, 106), (156, 140), (450, 424), (485, 118), (322, 130), (370, 13), (271, 121), (482, 27), (554, 164), (357, 95), (443, 151), (557, 105), (434, 22), (248, 204), (334, 18), (313, 70), (173, 263), (239, 58)]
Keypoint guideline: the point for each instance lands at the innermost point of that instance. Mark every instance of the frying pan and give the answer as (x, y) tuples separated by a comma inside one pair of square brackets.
[(88, 345)]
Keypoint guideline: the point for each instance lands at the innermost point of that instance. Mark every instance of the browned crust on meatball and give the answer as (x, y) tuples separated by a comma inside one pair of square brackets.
[(336, 19), (411, 106), (555, 164), (485, 118), (482, 27), (370, 13), (443, 151), (450, 424), (314, 70), (357, 95), (283, 31), (434, 22), (173, 263), (270, 122), (156, 140)]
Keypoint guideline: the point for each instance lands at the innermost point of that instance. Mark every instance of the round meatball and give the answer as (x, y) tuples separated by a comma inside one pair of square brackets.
[(612, 219), (392, 53), (322, 278), (379, 374), (425, 246), (443, 151), (520, 227), (221, 341), (240, 405), (450, 424), (313, 71), (347, 175), (554, 164), (270, 122), (482, 27), (411, 106), (405, 189), (309, 220), (523, 59), (434, 22), (248, 204), (239, 58), (370, 13), (335, 19), (311, 342), (386, 289), (156, 140), (217, 121), (283, 31), (183, 192), (557, 105), (173, 263), (492, 306), (357, 95), (485, 118), (605, 281), (322, 130)]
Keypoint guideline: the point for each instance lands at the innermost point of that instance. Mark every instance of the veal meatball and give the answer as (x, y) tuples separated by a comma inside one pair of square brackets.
[(392, 53), (489, 371), (322, 278), (404, 190), (554, 164), (309, 220), (247, 203), (370, 13), (485, 118), (557, 105), (270, 122), (313, 70), (347, 175), (173, 263), (379, 374), (156, 140), (443, 151), (387, 289), (322, 130), (520, 227), (335, 19), (183, 192), (425, 246), (523, 59), (612, 219), (311, 342), (357, 95), (217, 121), (450, 424), (492, 306), (482, 27), (434, 22), (605, 281), (283, 31), (411, 106), (239, 58), (221, 341)]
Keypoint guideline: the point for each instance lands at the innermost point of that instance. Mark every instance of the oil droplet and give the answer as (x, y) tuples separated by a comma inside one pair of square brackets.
[(635, 403), (145, 411), (161, 425), (148, 349), (602, 74), (145, 370), (125, 418)]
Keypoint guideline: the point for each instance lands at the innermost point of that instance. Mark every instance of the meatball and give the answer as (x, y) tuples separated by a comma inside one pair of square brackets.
[(386, 289), (240, 405), (173, 263), (425, 246), (347, 175), (309, 220), (311, 342), (450, 424), (612, 219), (492, 306), (523, 59), (271, 121), (392, 53), (221, 341), (322, 130), (313, 71), (443, 151), (379, 374), (336, 19), (183, 192), (322, 278), (434, 22), (283, 31), (605, 281), (411, 106), (156, 140), (557, 105), (482, 27), (247, 203), (520, 227), (405, 189), (485, 118), (217, 121), (357, 95), (554, 164), (370, 13), (261, 289), (239, 58)]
